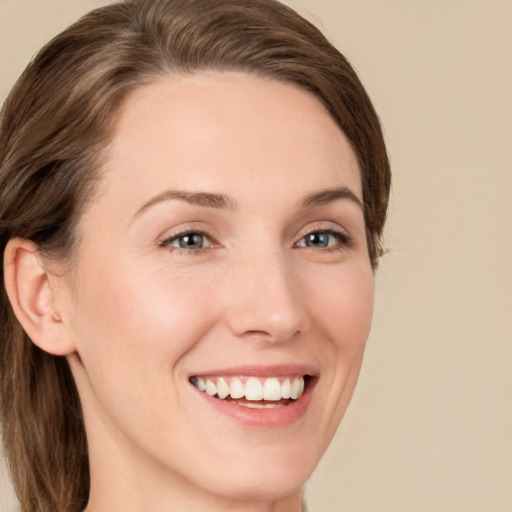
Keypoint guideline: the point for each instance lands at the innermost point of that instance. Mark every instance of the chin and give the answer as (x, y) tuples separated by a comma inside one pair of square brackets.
[(268, 476), (263, 486)]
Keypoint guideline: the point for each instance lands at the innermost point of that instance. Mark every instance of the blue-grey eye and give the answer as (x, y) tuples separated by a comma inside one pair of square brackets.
[(191, 241), (188, 241), (321, 239)]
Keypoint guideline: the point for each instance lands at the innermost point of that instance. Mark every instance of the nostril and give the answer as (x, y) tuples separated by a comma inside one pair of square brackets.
[(258, 323), (273, 335)]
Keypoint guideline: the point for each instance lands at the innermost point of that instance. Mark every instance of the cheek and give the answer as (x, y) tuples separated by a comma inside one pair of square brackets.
[(133, 330), (343, 305), (343, 308), (135, 321)]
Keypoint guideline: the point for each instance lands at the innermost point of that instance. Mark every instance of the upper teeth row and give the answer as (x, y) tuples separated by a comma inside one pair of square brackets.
[(253, 389)]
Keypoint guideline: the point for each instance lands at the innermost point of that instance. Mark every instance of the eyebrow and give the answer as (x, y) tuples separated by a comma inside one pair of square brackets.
[(330, 195), (221, 201), (206, 199)]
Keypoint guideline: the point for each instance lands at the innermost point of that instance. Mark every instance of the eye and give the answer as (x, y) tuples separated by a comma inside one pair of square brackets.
[(325, 239), (192, 241)]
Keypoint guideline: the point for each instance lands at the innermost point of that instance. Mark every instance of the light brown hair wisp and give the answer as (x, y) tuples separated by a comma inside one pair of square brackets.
[(54, 129)]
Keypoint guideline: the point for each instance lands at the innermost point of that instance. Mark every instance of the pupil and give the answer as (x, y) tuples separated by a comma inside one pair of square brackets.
[(194, 240), (318, 240)]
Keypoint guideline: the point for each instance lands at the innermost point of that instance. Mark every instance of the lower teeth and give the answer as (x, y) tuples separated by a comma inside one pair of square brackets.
[(258, 405)]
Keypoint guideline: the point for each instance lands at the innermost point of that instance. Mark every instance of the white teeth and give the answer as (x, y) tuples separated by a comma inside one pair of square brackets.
[(272, 390), (236, 388), (302, 384), (256, 405), (199, 383), (286, 388), (294, 393), (222, 388), (211, 388), (255, 389)]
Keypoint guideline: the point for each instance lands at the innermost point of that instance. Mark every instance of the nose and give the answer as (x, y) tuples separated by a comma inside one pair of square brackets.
[(264, 300)]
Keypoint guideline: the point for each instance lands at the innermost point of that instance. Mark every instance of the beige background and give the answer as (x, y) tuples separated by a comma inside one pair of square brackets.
[(430, 427)]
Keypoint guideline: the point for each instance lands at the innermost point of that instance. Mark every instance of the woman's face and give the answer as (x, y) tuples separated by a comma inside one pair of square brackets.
[(225, 249)]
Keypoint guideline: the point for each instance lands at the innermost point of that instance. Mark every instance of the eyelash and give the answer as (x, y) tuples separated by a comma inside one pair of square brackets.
[(181, 250), (343, 241)]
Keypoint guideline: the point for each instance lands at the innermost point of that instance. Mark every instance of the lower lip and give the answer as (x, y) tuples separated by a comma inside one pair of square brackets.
[(277, 417)]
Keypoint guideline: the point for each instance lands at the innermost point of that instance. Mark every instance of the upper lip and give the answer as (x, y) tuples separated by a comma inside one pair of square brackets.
[(278, 370)]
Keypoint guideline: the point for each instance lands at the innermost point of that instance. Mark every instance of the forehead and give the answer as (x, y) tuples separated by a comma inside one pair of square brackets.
[(223, 131)]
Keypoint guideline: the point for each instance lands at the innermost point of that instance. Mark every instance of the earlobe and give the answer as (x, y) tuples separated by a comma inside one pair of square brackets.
[(33, 297)]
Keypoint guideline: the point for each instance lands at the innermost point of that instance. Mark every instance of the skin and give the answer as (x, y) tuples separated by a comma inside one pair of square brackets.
[(142, 314)]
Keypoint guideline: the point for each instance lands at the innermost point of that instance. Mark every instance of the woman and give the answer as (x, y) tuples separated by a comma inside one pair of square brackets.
[(192, 197)]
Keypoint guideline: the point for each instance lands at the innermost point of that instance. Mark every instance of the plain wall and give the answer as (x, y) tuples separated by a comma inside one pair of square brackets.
[(430, 425)]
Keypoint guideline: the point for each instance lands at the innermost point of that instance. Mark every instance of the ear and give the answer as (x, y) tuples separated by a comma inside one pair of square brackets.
[(32, 292)]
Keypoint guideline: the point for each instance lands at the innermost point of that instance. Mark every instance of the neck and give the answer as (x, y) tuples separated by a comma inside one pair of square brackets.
[(108, 497)]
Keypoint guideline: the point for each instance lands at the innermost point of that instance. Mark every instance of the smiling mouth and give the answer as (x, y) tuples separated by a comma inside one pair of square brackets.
[(253, 392)]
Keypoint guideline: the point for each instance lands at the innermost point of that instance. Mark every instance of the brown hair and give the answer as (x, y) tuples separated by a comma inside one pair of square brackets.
[(54, 127)]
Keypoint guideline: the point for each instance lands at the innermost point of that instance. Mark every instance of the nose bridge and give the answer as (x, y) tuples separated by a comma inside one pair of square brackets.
[(264, 297)]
